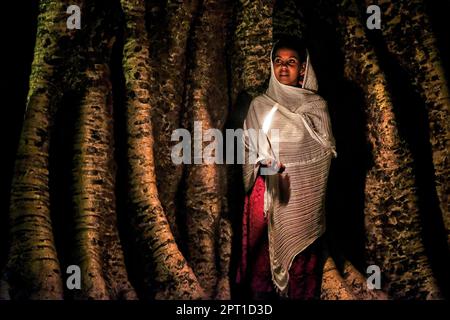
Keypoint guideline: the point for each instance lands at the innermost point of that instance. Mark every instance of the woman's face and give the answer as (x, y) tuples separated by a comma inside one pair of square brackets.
[(287, 66)]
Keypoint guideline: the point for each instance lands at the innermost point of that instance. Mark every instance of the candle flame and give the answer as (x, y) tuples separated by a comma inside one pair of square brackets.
[(268, 119)]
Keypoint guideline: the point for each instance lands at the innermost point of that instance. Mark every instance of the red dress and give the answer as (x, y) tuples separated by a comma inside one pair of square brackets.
[(254, 273)]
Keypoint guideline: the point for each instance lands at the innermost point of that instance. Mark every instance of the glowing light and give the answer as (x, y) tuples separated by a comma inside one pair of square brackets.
[(268, 120)]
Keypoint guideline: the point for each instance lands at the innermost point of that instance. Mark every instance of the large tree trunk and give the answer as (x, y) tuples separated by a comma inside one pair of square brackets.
[(252, 41), (97, 248), (393, 225), (170, 28), (33, 270), (172, 277), (206, 104), (197, 64), (419, 56)]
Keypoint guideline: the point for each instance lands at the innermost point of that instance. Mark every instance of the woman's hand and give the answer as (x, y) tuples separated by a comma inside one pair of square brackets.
[(274, 164)]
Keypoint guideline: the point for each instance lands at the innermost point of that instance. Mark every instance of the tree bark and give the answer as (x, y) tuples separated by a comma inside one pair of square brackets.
[(393, 226), (252, 41), (207, 103), (33, 270), (167, 269), (97, 248), (188, 61), (416, 51), (168, 61)]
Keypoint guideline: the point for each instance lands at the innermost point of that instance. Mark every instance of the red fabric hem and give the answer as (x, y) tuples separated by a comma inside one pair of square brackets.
[(254, 269)]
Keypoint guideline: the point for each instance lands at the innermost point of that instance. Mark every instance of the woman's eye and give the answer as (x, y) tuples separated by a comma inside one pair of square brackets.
[(292, 62)]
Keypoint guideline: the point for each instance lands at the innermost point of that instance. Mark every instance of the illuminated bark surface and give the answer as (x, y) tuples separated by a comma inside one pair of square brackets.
[(94, 184)]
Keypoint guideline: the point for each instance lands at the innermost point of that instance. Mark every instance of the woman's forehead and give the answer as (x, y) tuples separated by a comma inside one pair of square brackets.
[(286, 52)]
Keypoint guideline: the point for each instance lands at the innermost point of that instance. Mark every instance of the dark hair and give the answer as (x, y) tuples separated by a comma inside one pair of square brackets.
[(290, 42)]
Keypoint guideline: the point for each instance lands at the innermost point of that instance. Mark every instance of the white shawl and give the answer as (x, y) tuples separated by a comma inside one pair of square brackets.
[(306, 145)]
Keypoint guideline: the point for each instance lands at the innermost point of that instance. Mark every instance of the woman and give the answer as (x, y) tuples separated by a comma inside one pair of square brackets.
[(284, 212)]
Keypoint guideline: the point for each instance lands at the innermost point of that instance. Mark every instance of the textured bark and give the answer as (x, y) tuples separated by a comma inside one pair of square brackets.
[(334, 286), (346, 284), (416, 51), (167, 90), (252, 42), (393, 226), (172, 278), (33, 270), (97, 247), (199, 60), (288, 19), (206, 103), (358, 284), (223, 291)]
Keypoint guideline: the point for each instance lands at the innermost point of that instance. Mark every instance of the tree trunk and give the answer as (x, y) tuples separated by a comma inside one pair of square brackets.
[(197, 64), (252, 42), (171, 276), (97, 248), (393, 226), (206, 104), (169, 39), (33, 270), (416, 51)]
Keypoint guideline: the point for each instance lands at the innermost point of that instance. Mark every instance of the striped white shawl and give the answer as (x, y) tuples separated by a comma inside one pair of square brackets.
[(294, 200)]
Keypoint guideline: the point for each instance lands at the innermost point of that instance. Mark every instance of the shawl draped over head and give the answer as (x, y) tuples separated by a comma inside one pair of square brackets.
[(293, 201)]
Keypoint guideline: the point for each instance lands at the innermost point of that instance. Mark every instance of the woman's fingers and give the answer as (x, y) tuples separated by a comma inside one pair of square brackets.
[(266, 163), (274, 164)]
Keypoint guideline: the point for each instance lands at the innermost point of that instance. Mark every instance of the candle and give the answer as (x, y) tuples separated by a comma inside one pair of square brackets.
[(274, 165), (268, 120)]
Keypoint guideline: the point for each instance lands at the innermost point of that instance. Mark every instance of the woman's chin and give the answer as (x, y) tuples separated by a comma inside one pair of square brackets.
[(285, 82)]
